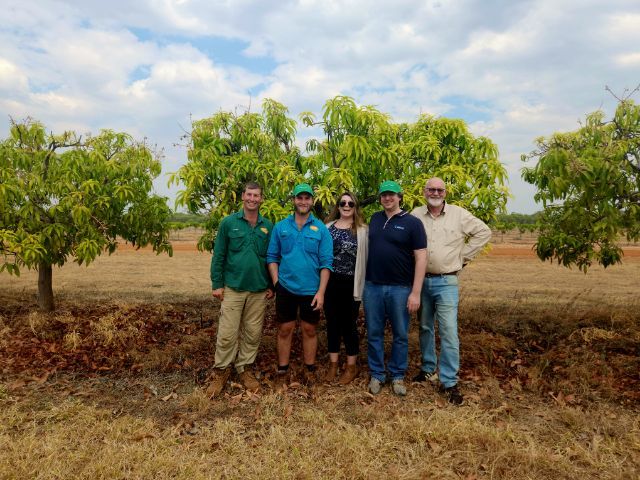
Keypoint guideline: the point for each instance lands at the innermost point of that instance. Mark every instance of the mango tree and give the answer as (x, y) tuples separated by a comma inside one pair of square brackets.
[(362, 147), (227, 150), (358, 148), (589, 184), (63, 197)]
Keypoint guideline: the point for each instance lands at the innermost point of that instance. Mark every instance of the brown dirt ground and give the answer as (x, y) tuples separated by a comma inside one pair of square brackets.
[(529, 324), (543, 349), (134, 333)]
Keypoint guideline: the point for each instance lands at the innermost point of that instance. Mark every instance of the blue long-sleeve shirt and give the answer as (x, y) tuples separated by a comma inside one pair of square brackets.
[(301, 254)]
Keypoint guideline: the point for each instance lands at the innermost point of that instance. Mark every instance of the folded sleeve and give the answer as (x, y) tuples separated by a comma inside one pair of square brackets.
[(274, 249), (478, 235), (326, 249), (219, 257)]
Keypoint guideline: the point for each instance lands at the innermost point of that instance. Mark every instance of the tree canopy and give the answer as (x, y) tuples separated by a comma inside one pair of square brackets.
[(62, 196), (589, 184), (358, 147)]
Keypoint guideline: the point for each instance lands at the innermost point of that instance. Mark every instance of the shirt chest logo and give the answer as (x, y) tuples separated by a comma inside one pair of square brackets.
[(313, 228), (264, 230), (398, 227)]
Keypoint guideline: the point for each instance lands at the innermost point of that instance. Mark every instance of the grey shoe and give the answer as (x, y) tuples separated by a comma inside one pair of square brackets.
[(399, 387), (375, 386)]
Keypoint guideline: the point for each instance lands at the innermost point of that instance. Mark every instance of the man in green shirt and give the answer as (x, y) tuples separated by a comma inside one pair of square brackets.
[(240, 280)]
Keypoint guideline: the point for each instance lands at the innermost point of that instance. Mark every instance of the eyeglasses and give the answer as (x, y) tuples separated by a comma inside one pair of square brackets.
[(344, 203), (435, 190)]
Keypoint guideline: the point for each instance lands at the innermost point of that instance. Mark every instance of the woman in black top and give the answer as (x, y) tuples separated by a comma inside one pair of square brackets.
[(344, 291)]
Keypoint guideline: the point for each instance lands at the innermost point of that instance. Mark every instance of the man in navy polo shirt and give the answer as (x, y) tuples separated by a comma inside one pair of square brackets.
[(395, 273)]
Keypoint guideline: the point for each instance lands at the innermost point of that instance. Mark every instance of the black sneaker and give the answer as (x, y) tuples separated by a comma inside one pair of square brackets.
[(425, 376), (453, 395)]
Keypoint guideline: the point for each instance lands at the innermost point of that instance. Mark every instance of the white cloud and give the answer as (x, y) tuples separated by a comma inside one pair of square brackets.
[(628, 59), (56, 102), (625, 26), (12, 78), (513, 70)]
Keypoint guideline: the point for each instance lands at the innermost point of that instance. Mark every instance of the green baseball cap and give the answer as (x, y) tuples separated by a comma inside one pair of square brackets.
[(389, 186), (302, 188)]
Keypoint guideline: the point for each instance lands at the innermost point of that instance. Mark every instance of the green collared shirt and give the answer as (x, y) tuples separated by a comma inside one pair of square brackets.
[(239, 255)]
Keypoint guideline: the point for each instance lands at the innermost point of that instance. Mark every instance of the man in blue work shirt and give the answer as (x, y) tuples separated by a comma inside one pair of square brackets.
[(299, 259), (395, 273)]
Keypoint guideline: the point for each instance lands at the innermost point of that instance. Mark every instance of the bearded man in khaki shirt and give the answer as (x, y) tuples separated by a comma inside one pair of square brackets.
[(455, 236)]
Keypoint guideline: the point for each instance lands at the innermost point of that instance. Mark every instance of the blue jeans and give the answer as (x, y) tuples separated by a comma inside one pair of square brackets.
[(440, 301), (383, 302)]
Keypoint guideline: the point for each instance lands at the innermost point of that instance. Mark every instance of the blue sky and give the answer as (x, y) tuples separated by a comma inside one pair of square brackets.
[(513, 70)]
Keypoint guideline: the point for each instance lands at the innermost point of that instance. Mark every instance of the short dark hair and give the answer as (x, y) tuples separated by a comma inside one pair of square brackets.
[(252, 186)]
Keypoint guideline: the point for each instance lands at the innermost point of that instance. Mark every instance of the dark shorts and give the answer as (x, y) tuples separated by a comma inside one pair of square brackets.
[(288, 304)]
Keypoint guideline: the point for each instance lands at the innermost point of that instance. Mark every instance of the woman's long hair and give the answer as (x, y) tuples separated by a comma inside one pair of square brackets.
[(358, 220)]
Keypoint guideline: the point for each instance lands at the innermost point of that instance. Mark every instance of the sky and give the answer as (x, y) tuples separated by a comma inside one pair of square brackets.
[(513, 70)]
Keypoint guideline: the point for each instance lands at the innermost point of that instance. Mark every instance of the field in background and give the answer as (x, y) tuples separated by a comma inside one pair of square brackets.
[(112, 384), (512, 237)]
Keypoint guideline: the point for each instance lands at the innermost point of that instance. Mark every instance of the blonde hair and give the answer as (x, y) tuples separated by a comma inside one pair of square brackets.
[(358, 220)]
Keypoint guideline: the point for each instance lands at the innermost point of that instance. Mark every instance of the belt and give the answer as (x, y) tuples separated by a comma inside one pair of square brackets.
[(429, 275)]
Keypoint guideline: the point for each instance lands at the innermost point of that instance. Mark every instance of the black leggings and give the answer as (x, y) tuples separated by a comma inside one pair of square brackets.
[(341, 312)]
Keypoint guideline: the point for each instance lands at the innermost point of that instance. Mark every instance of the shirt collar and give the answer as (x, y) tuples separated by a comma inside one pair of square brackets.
[(442, 212), (310, 218), (241, 215), (401, 213)]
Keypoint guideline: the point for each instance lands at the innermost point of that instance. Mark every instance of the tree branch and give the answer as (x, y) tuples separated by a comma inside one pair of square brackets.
[(369, 200), (624, 97)]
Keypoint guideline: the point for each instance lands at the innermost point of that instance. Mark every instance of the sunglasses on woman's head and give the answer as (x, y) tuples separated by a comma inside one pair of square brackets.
[(344, 203)]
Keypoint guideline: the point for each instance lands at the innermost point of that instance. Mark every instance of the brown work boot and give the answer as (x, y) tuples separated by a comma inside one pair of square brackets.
[(281, 380), (249, 380), (350, 372), (309, 377), (331, 373), (220, 377)]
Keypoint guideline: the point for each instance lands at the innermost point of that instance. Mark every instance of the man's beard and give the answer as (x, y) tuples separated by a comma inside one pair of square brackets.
[(435, 202)]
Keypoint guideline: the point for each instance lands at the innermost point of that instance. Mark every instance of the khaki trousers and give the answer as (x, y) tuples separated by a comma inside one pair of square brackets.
[(239, 328)]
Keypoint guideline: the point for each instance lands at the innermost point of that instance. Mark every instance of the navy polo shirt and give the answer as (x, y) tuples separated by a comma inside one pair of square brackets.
[(391, 245)]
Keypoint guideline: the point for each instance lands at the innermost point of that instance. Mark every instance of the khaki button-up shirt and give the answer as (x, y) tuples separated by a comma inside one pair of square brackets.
[(454, 237)]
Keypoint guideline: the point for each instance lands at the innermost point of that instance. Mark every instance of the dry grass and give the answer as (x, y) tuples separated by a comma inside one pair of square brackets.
[(339, 437), (110, 386)]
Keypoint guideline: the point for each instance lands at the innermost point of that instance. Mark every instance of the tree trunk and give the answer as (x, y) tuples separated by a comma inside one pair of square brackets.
[(45, 287)]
